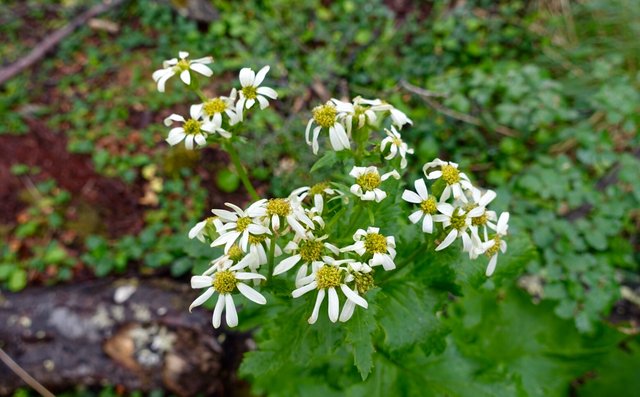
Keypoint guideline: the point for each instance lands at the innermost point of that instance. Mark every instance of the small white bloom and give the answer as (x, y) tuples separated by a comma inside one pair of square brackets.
[(240, 224), (191, 130), (326, 277), (183, 66), (368, 180), (363, 111), (428, 205), (199, 230), (458, 222), (496, 244), (317, 192), (382, 249), (279, 210), (224, 281), (306, 250), (326, 117), (251, 90), (397, 146), (214, 108), (456, 181), (399, 118), (480, 216), (361, 275)]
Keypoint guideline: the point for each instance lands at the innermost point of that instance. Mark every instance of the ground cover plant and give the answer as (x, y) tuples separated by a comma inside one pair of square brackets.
[(532, 100)]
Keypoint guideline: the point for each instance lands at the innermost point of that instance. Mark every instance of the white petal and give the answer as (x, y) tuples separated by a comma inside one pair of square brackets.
[(304, 289), (334, 305), (347, 310), (230, 309), (201, 281), (421, 188), (200, 68), (251, 294), (249, 276), (448, 240), (268, 92), (217, 312), (427, 224), (415, 217), (263, 101), (286, 264), (260, 75), (492, 265), (411, 197), (247, 77), (316, 307), (185, 76), (353, 296), (202, 298)]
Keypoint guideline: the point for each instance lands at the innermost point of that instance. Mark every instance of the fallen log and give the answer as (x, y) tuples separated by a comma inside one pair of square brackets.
[(134, 333)]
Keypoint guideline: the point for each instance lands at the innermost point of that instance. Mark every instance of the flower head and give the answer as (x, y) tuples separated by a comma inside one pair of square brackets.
[(251, 90), (396, 146), (326, 117), (497, 243), (240, 224), (214, 108), (183, 67), (456, 222), (306, 250), (455, 180), (428, 205), (368, 181), (192, 130), (381, 249)]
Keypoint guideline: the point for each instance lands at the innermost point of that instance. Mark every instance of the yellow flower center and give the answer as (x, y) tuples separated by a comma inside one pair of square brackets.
[(224, 282), (364, 282), (243, 223), (375, 243), (369, 181), (450, 174), (255, 240), (328, 276), (310, 250), (278, 206), (480, 220), (429, 206), (458, 221), (182, 65), (214, 106), (249, 92), (494, 248), (397, 142), (235, 253), (325, 115), (318, 188), (191, 127)]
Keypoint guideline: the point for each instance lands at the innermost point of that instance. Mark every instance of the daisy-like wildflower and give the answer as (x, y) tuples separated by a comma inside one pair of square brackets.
[(279, 210), (363, 111), (361, 275), (225, 280), (496, 244), (326, 277), (193, 129), (397, 146), (480, 216), (428, 205), (215, 107), (368, 181), (398, 118), (251, 90), (317, 192), (240, 224), (306, 250), (458, 221), (258, 246), (181, 66), (326, 117), (456, 181), (202, 228), (382, 249)]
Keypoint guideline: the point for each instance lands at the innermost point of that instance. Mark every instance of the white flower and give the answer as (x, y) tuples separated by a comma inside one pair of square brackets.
[(251, 90), (182, 66), (367, 184), (458, 221), (399, 118), (381, 248), (480, 216), (214, 108), (199, 230), (308, 250), (279, 210), (317, 192), (363, 111), (496, 244), (326, 276), (326, 117), (224, 281), (428, 205), (397, 146), (191, 130), (362, 277), (455, 180), (240, 224)]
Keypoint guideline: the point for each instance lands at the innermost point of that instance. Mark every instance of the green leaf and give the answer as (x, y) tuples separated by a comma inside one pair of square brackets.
[(17, 280), (359, 331), (327, 160)]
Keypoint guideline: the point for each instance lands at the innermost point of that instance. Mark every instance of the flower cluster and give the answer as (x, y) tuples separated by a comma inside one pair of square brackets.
[(213, 116), (461, 211)]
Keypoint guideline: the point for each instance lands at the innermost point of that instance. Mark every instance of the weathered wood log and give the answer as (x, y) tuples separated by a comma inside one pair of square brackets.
[(134, 333)]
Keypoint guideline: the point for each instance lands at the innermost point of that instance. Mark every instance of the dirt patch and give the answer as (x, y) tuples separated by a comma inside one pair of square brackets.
[(116, 202)]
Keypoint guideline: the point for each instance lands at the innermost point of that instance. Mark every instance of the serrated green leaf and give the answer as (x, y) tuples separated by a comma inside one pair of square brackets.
[(327, 160), (359, 333)]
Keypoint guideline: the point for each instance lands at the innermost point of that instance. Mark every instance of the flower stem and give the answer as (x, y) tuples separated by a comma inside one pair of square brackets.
[(242, 173)]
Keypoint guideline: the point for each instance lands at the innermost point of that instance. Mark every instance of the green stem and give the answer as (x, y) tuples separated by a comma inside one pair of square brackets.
[(242, 173)]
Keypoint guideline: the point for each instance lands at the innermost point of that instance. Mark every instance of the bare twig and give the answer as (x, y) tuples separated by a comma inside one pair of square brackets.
[(28, 379), (46, 45), (467, 118)]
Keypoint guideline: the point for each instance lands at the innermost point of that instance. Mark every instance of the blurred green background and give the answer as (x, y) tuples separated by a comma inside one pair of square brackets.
[(538, 99)]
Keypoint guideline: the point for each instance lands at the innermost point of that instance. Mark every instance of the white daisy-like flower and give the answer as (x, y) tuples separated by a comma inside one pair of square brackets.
[(398, 118), (279, 210), (224, 281), (480, 216), (456, 181), (363, 111), (326, 117), (368, 181), (258, 246), (458, 221), (326, 277), (382, 249), (362, 277), (181, 66), (306, 250), (214, 108), (240, 224), (428, 205), (251, 90), (317, 192), (398, 146), (497, 244), (193, 129), (200, 228)]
